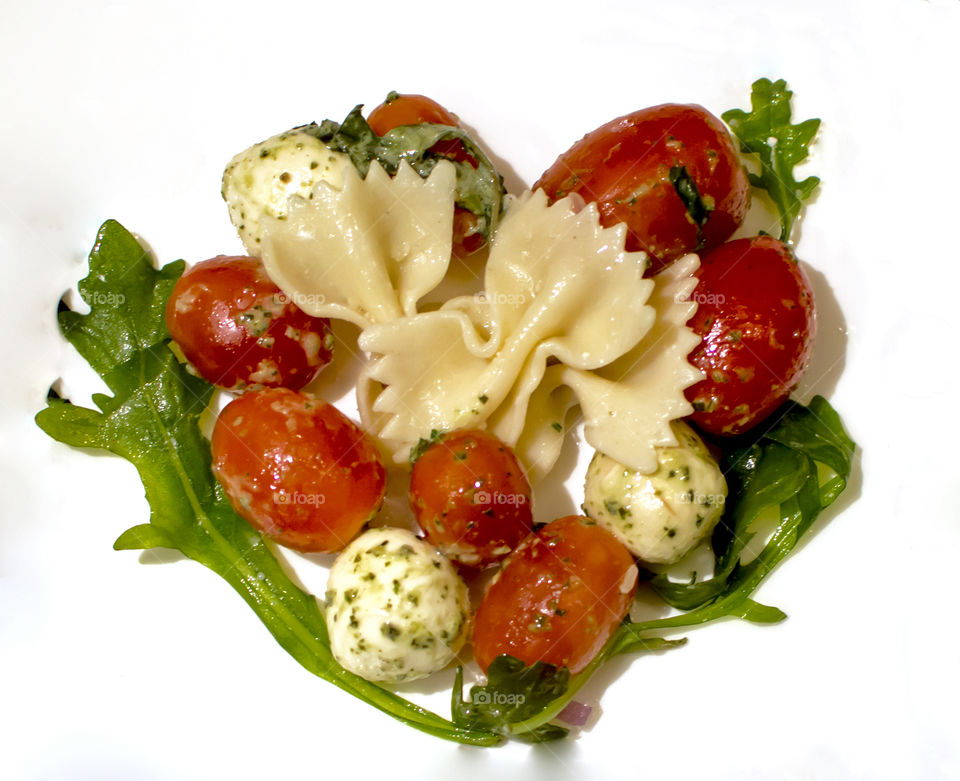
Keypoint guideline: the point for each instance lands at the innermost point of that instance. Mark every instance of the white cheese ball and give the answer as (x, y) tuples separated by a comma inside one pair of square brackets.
[(261, 180), (659, 517), (396, 609)]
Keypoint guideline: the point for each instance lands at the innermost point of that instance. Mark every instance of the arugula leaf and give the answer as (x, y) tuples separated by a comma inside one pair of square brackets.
[(766, 132), (151, 420), (479, 189), (514, 692), (779, 471)]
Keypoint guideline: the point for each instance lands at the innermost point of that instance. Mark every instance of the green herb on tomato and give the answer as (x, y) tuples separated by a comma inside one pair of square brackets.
[(769, 118), (670, 173), (757, 320), (698, 208), (421, 447), (151, 420)]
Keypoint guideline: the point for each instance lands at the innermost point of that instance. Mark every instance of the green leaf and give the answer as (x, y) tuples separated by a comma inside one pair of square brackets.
[(479, 189), (424, 444), (779, 472), (514, 692), (698, 210), (766, 131), (546, 689), (151, 419)]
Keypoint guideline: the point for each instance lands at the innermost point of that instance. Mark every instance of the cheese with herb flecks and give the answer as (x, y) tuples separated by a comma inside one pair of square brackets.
[(396, 609)]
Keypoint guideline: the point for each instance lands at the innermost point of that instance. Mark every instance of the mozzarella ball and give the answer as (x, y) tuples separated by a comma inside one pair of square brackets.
[(260, 181), (659, 517), (396, 609)]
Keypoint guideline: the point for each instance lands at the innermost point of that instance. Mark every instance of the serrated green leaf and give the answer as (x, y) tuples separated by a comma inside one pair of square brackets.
[(766, 131)]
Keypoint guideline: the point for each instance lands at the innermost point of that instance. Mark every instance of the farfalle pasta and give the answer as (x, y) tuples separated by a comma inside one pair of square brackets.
[(564, 305), (365, 251), (565, 317)]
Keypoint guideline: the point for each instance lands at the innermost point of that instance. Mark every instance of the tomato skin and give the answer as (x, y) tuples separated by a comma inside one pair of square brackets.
[(624, 166), (399, 110), (757, 321), (297, 468), (239, 330), (558, 597), (471, 498), (408, 109)]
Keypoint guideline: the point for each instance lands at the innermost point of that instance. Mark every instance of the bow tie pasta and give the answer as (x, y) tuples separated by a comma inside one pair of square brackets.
[(365, 251), (566, 317)]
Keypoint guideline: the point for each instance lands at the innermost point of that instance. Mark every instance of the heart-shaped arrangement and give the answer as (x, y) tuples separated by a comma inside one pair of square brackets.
[(491, 324)]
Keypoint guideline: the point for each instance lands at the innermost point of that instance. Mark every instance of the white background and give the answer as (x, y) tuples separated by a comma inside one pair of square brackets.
[(114, 667)]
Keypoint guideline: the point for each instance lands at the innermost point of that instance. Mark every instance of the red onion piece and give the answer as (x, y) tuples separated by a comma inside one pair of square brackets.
[(575, 714)]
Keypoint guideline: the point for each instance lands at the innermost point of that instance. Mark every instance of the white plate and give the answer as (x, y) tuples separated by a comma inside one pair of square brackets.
[(116, 667)]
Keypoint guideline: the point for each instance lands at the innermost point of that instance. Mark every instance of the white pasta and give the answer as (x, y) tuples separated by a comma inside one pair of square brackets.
[(565, 308), (368, 250), (628, 405)]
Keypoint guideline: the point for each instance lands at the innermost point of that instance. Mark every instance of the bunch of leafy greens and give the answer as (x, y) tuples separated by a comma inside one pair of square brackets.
[(796, 469), (769, 118), (479, 184)]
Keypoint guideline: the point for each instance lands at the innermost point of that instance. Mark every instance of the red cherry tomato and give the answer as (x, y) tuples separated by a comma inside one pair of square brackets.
[(471, 498), (399, 110), (756, 317), (633, 168), (297, 468), (240, 331), (558, 597)]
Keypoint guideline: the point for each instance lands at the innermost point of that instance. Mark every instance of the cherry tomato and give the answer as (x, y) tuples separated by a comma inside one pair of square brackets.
[(756, 317), (297, 468), (640, 168), (558, 597), (239, 330), (471, 498), (399, 110)]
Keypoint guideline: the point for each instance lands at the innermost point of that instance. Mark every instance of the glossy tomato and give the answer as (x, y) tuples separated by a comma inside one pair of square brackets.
[(756, 317), (471, 498), (670, 172), (558, 597), (297, 468), (239, 330), (399, 110)]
